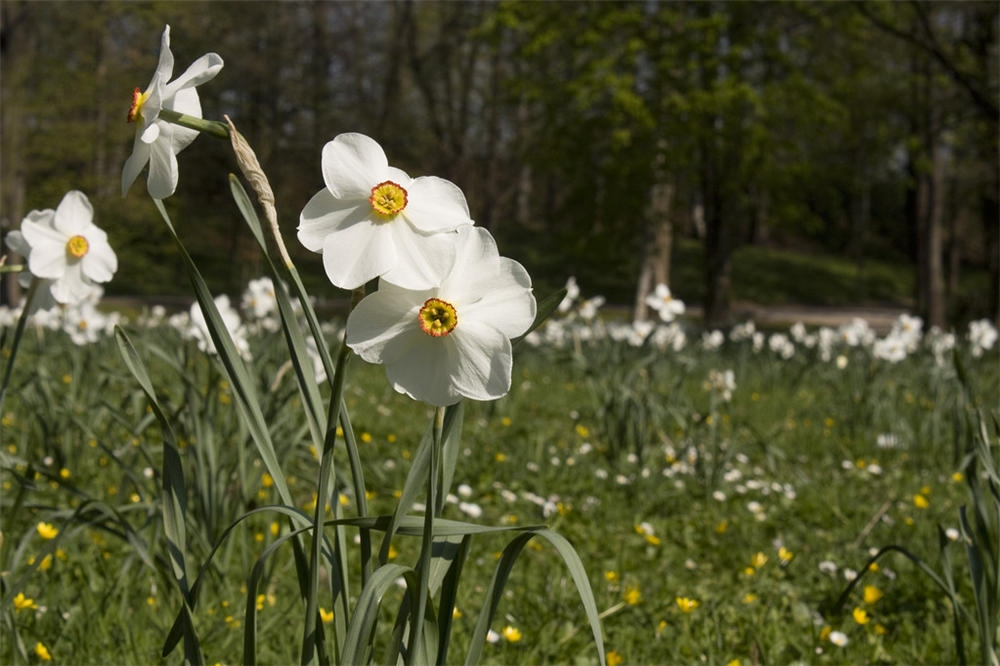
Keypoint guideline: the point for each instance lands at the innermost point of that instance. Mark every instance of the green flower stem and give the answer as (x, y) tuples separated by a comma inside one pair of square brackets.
[(12, 268), (424, 564), (210, 127), (18, 332), (309, 645)]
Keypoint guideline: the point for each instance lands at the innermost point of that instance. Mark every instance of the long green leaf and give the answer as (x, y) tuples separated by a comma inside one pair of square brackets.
[(495, 591), (356, 645), (417, 475), (239, 378), (174, 495)]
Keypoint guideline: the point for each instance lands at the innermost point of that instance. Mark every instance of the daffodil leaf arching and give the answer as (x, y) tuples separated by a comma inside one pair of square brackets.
[(545, 309)]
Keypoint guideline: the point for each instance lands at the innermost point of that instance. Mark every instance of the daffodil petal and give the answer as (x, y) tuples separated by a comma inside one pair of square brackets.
[(325, 214), (150, 134), (435, 204), (16, 243), (422, 261), (100, 262), (134, 164), (357, 253), (484, 363), (47, 259), (185, 101), (420, 366), (352, 164), (165, 65), (162, 179), (201, 71), (71, 287), (74, 213), (380, 317), (510, 309), (37, 226)]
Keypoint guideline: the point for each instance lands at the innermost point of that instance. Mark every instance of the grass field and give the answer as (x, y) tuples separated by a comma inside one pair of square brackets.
[(713, 528)]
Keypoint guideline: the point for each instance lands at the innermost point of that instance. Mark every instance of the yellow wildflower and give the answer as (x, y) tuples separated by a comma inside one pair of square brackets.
[(512, 634), (861, 616), (614, 659), (46, 531), (758, 560), (687, 605), (22, 602), (325, 615), (42, 652), (872, 594), (920, 501), (632, 595), (785, 555)]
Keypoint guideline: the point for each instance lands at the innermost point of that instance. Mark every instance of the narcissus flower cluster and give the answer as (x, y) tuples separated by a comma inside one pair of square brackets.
[(447, 305)]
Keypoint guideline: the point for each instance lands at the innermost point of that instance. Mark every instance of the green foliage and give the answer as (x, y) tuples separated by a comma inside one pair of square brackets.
[(792, 423)]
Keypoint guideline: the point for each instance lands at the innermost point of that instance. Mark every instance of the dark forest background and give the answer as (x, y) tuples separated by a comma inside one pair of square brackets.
[(621, 142)]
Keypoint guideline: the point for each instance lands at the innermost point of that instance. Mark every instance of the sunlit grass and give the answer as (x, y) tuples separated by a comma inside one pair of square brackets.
[(723, 536)]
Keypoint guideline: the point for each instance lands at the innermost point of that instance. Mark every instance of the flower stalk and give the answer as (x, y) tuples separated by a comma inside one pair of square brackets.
[(18, 332), (211, 127), (424, 564)]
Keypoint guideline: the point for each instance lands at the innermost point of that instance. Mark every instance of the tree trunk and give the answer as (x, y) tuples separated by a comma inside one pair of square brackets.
[(930, 236), (718, 269), (655, 266)]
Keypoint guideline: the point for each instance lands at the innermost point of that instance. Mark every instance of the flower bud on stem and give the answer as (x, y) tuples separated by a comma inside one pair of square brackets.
[(253, 172)]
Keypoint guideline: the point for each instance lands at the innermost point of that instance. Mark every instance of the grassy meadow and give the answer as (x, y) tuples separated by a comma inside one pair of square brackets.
[(719, 518)]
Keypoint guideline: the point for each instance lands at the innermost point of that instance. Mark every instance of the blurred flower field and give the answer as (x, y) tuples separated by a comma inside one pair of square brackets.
[(722, 489)]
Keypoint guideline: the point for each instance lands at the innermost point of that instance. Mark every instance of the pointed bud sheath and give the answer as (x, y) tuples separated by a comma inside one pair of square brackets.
[(250, 167)]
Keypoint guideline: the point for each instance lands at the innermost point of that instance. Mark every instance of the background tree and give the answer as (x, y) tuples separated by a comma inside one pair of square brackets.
[(603, 140)]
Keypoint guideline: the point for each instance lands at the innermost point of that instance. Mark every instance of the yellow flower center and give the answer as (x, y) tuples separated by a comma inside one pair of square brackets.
[(437, 318), (138, 99), (77, 246), (387, 198)]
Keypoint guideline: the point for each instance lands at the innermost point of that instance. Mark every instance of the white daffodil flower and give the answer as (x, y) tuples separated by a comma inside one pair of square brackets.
[(452, 340), (198, 327), (373, 220), (65, 246), (157, 142), (664, 303)]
